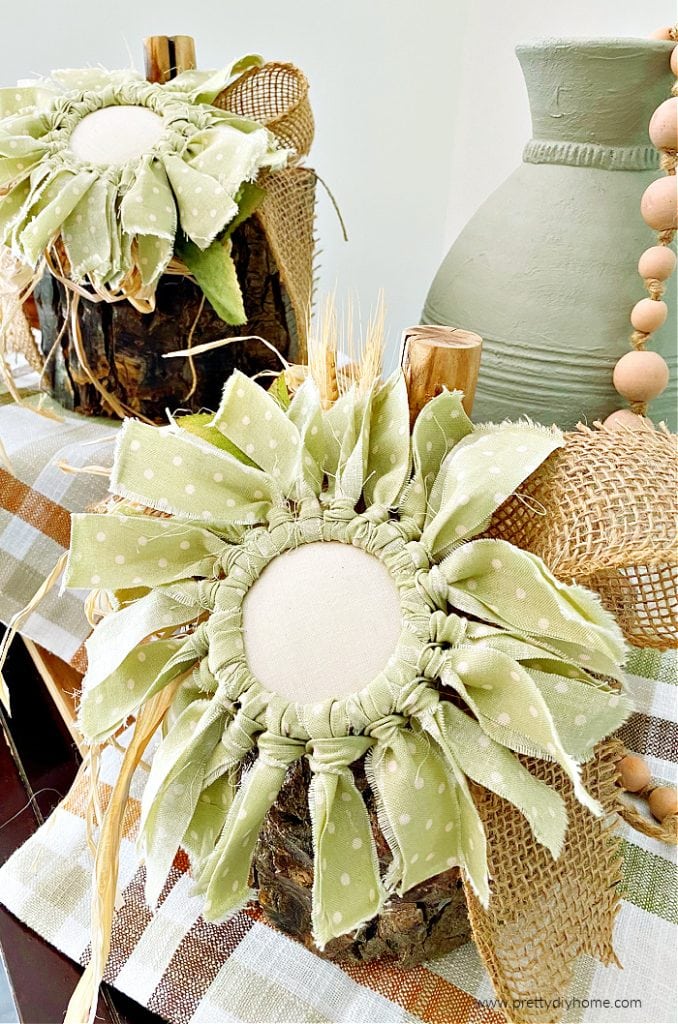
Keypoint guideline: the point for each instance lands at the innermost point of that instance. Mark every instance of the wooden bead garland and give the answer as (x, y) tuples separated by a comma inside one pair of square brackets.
[(663, 802), (663, 128), (649, 314), (658, 262), (640, 376), (635, 777), (658, 205)]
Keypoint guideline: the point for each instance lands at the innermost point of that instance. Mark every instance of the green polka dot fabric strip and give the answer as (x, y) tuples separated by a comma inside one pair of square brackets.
[(121, 216), (495, 658)]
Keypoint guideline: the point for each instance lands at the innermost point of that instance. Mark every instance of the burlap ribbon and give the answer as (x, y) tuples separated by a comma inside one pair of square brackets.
[(602, 512)]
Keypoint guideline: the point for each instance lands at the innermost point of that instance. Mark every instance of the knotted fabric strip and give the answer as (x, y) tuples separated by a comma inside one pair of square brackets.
[(347, 889)]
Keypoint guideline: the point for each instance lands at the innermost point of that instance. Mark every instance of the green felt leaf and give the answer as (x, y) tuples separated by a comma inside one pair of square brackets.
[(213, 267), (214, 270), (198, 424)]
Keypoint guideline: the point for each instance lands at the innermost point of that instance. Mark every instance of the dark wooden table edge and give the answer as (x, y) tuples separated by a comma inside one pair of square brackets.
[(38, 762)]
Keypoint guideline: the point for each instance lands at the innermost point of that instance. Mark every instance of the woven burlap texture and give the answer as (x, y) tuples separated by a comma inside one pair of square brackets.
[(545, 913), (276, 95), (602, 512)]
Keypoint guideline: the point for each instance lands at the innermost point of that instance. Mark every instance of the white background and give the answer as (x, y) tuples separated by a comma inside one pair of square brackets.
[(420, 106)]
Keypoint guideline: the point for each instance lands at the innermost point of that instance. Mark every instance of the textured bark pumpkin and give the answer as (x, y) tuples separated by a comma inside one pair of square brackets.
[(428, 921), (124, 347)]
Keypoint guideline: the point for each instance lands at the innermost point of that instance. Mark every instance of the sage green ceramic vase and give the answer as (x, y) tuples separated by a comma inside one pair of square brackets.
[(546, 271)]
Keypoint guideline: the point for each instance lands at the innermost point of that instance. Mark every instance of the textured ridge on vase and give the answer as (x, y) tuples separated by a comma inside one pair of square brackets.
[(588, 154)]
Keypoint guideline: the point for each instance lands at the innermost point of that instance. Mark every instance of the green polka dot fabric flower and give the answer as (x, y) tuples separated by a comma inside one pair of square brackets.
[(127, 174), (318, 587)]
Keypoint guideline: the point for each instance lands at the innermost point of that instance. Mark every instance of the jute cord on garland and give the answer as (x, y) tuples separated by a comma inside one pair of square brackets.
[(665, 831)]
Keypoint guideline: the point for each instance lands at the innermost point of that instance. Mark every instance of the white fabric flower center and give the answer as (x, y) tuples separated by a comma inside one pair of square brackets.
[(321, 621), (114, 135)]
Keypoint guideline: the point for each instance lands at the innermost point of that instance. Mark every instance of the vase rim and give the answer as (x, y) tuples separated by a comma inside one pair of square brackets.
[(595, 42)]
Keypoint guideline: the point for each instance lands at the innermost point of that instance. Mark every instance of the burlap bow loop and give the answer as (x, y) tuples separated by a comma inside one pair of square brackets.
[(277, 96)]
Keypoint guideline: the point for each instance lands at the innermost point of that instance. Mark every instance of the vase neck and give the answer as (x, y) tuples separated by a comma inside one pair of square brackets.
[(591, 101)]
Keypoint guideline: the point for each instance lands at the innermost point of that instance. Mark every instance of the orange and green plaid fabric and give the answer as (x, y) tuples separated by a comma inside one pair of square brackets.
[(193, 972)]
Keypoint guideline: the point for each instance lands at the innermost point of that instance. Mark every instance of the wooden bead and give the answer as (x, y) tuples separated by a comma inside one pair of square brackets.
[(657, 263), (661, 33), (649, 314), (626, 418), (664, 125), (635, 775), (640, 376), (674, 61), (663, 802), (658, 205)]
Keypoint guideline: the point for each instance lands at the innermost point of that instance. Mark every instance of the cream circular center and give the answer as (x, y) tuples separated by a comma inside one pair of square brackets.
[(114, 135), (321, 621)]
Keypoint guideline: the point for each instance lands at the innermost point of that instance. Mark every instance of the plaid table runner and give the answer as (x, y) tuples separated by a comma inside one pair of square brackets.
[(188, 970), (36, 499), (193, 972)]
